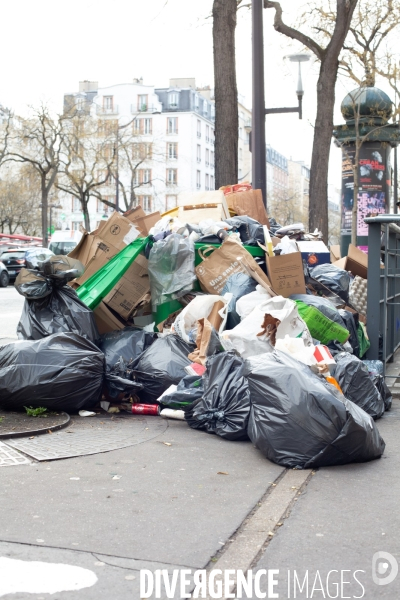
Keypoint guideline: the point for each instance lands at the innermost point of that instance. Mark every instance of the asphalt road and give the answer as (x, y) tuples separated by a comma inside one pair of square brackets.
[(11, 304)]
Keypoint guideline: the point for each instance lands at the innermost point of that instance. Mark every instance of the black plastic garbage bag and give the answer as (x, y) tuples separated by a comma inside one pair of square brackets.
[(51, 306), (351, 326), (118, 381), (336, 279), (298, 420), (353, 377), (250, 230), (189, 389), (60, 311), (238, 285), (128, 344), (63, 371), (161, 365), (225, 405), (35, 256), (381, 386)]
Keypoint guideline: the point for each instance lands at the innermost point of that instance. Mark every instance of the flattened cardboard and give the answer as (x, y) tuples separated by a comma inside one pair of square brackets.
[(106, 321), (249, 203), (131, 289), (286, 274), (117, 232)]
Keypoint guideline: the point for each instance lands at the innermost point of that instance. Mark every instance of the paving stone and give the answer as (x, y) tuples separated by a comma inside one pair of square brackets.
[(10, 457)]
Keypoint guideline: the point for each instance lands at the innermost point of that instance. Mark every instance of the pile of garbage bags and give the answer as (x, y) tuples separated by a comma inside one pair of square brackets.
[(244, 327)]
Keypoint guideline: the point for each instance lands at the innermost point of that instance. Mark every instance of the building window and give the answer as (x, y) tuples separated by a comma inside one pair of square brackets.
[(198, 180), (212, 137), (145, 202), (172, 150), (212, 112), (207, 133), (75, 225), (142, 151), (207, 182), (108, 102), (80, 103), (172, 125), (198, 128), (142, 102), (76, 205), (173, 100), (144, 176), (109, 209), (198, 153), (196, 102), (212, 158), (212, 184), (205, 108), (207, 157), (172, 176), (142, 126)]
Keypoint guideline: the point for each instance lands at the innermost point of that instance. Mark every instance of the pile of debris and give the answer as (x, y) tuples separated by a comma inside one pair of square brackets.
[(213, 314)]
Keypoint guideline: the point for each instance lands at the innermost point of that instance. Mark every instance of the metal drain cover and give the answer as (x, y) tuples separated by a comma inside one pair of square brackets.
[(10, 457), (91, 436)]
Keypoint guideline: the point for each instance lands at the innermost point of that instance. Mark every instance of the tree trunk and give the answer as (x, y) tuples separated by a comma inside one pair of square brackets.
[(86, 219), (226, 97), (45, 195), (318, 203)]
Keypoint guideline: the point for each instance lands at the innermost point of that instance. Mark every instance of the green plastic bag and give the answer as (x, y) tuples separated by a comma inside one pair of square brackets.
[(321, 328), (363, 339)]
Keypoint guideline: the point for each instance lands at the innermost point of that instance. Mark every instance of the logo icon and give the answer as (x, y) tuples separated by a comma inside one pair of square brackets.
[(384, 568), (115, 229)]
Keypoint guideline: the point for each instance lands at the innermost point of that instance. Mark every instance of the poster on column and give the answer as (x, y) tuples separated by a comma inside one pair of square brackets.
[(373, 189)]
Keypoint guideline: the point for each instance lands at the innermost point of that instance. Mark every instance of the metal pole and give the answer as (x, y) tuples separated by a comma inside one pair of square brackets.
[(117, 178), (395, 182), (51, 208), (259, 158)]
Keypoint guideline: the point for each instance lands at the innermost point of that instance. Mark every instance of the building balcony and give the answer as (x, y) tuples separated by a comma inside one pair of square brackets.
[(103, 110), (144, 108)]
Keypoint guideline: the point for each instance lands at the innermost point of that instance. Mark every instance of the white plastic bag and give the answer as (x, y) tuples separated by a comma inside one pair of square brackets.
[(286, 246), (297, 348), (246, 303), (245, 338), (200, 307)]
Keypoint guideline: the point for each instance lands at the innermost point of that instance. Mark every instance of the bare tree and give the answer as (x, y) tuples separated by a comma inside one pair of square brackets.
[(86, 160), (19, 201), (226, 97), (365, 52), (37, 141), (328, 56)]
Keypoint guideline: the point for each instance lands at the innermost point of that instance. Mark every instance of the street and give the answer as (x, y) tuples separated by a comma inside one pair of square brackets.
[(11, 304)]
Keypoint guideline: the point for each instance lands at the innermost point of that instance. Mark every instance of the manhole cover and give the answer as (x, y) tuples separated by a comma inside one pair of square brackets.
[(10, 457), (91, 435)]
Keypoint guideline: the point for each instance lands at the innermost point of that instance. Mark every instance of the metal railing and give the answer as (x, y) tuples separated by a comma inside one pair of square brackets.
[(383, 291)]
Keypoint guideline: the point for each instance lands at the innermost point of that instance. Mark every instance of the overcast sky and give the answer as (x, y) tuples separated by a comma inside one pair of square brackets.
[(48, 46)]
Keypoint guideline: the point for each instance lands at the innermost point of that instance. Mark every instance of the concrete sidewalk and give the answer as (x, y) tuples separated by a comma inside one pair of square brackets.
[(187, 505)]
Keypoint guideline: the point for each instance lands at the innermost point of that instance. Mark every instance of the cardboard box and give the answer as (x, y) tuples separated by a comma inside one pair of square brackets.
[(248, 203), (335, 253), (195, 207), (106, 321), (130, 290), (141, 220), (356, 262), (118, 232), (314, 253), (286, 275)]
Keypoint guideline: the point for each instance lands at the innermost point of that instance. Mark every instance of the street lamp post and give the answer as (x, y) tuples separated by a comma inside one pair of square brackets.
[(51, 206), (258, 149)]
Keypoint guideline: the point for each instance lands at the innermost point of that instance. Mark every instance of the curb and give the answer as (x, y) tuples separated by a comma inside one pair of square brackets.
[(14, 434)]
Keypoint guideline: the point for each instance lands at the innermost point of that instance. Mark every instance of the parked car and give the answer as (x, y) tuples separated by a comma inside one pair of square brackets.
[(15, 260), (4, 276)]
